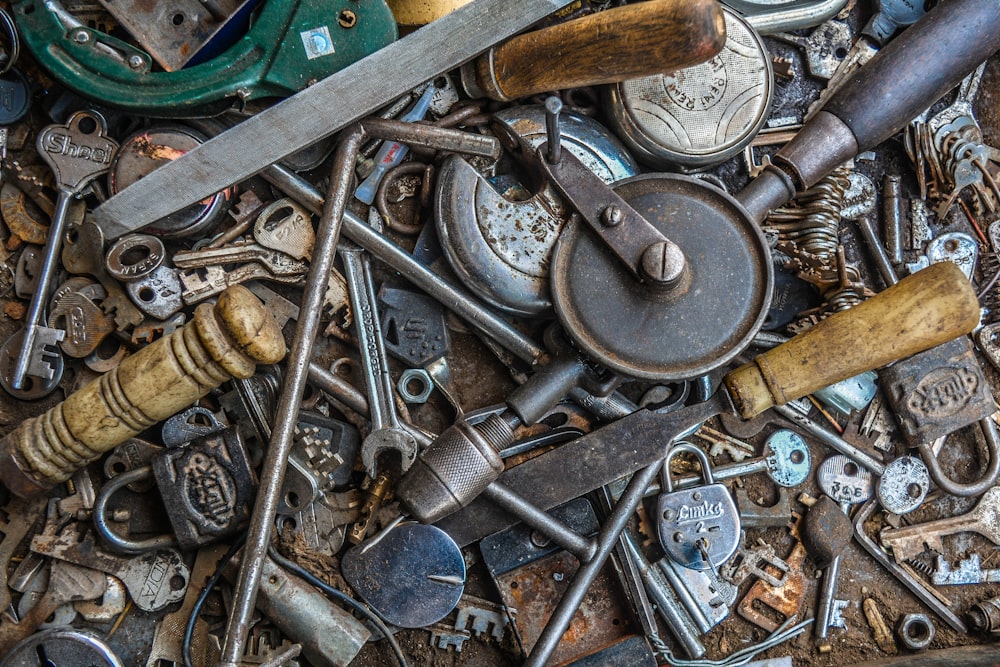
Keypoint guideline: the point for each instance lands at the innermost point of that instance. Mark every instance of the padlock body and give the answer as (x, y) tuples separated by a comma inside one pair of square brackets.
[(938, 391), (208, 488), (705, 512)]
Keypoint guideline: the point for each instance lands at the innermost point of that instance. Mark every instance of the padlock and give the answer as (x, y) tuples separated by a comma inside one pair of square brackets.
[(939, 391), (207, 487), (698, 527)]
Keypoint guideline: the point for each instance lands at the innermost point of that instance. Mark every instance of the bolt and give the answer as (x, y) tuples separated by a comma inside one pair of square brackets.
[(347, 19), (612, 216), (81, 37), (662, 263), (553, 107), (136, 61)]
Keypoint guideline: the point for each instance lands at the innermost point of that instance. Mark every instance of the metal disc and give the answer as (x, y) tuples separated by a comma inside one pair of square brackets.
[(642, 334), (698, 116), (413, 575)]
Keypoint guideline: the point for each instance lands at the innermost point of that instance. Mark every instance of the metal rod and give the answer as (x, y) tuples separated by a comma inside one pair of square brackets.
[(340, 389), (882, 261), (553, 528), (831, 440), (685, 597), (607, 538), (293, 387), (433, 137), (892, 217), (458, 301), (553, 107)]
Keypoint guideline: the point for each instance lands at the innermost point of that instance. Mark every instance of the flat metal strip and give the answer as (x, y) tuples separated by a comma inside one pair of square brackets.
[(318, 111)]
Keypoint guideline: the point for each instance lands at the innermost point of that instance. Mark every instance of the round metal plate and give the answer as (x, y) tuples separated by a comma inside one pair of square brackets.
[(413, 575), (701, 115), (641, 334)]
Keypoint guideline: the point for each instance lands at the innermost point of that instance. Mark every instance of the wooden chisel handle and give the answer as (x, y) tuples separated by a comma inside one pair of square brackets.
[(925, 309), (628, 42)]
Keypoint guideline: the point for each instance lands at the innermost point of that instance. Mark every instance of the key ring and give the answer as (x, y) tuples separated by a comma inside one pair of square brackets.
[(15, 41)]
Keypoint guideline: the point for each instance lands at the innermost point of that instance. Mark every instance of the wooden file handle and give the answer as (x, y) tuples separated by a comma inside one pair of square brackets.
[(925, 309), (628, 42)]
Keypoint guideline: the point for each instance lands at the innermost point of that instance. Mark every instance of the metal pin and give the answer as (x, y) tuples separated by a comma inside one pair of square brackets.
[(553, 107), (892, 218)]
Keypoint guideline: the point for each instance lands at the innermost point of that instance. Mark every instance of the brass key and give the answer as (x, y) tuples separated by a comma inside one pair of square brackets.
[(276, 262), (983, 519)]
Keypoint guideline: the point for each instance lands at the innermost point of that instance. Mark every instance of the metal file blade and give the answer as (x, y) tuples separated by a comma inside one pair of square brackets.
[(318, 111)]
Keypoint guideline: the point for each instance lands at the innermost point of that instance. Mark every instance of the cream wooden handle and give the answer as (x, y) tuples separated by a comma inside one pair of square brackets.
[(221, 342), (925, 309)]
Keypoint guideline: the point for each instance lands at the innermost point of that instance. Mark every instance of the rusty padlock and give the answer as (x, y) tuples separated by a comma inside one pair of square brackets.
[(208, 488), (698, 527)]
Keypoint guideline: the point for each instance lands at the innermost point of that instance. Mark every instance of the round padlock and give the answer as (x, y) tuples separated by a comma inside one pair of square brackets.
[(148, 149), (698, 527), (698, 116)]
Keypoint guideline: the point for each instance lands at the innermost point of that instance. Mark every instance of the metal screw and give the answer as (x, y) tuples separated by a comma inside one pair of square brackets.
[(81, 37), (135, 61), (662, 263), (347, 19), (612, 216)]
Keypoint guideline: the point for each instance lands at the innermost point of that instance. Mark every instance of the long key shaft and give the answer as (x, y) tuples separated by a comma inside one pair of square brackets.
[(77, 152)]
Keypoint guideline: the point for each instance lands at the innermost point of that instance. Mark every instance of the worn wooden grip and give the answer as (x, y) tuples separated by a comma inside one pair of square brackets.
[(221, 342), (925, 309), (628, 42)]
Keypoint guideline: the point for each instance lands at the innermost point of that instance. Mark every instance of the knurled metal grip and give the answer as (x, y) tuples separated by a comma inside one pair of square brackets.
[(220, 343), (455, 469)]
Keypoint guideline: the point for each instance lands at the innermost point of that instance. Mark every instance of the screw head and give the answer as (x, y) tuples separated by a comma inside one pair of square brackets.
[(612, 216), (81, 37), (662, 264), (135, 61)]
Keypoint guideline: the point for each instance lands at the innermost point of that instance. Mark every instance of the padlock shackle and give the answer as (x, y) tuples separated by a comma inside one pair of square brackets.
[(685, 446), (165, 541)]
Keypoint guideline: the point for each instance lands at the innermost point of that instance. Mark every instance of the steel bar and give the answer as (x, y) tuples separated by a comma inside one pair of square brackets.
[(292, 389)]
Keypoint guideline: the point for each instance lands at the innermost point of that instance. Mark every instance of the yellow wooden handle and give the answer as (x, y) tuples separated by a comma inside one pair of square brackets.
[(925, 309), (628, 42)]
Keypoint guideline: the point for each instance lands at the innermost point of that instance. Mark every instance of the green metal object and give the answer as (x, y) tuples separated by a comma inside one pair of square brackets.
[(291, 44)]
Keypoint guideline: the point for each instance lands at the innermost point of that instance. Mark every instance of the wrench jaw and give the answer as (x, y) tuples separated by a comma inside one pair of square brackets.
[(388, 439)]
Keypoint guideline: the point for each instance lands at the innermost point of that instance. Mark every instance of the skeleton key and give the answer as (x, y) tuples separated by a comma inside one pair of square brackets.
[(154, 579), (204, 283), (286, 227), (386, 432), (984, 519), (277, 263), (67, 583), (77, 152), (84, 254)]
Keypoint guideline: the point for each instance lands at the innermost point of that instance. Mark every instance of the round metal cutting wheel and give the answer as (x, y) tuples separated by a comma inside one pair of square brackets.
[(685, 333)]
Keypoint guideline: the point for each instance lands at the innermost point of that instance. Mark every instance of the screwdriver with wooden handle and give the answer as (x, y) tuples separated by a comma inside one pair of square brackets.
[(923, 310), (623, 43)]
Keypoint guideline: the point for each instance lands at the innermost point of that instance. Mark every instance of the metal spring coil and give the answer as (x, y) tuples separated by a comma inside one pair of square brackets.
[(812, 222)]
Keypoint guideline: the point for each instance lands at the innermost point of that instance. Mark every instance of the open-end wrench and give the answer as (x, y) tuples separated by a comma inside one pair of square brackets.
[(386, 432)]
